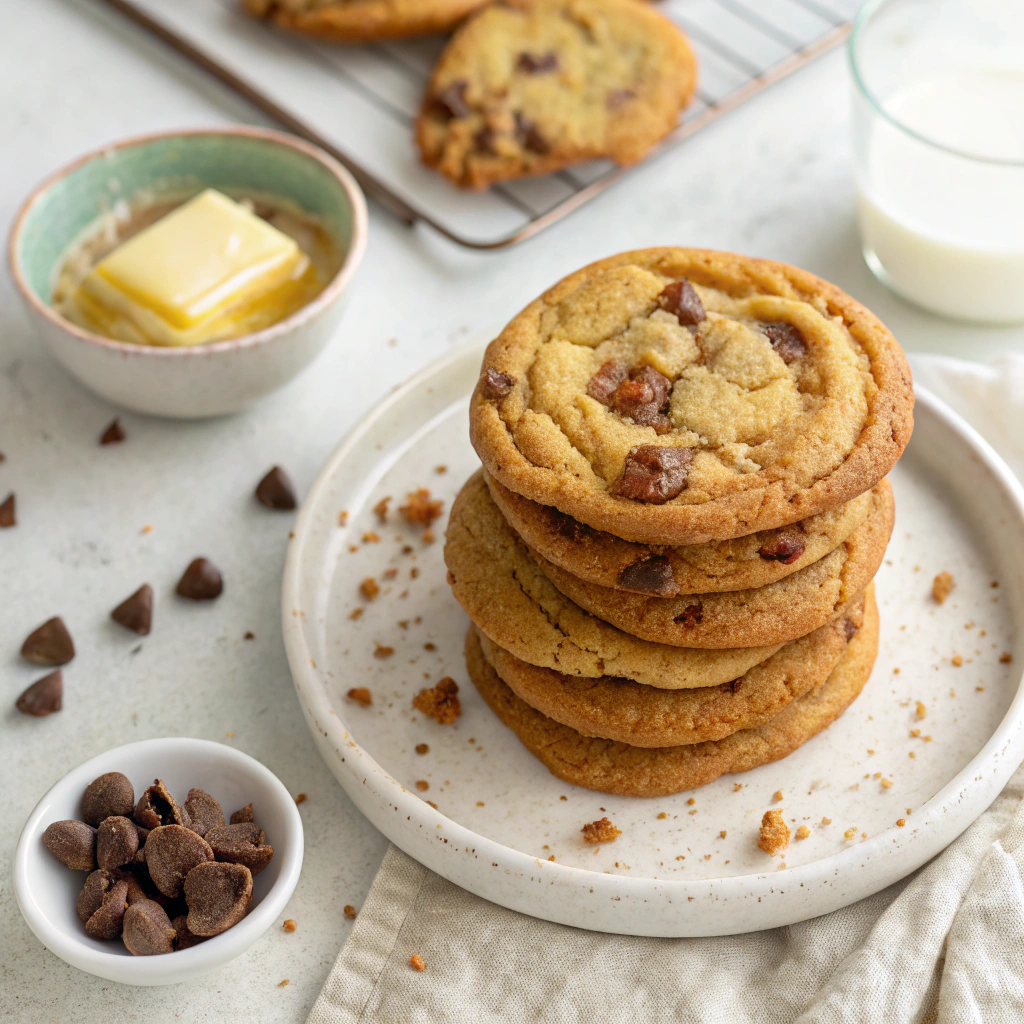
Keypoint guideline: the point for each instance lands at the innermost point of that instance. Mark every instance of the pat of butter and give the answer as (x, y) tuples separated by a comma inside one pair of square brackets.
[(209, 269)]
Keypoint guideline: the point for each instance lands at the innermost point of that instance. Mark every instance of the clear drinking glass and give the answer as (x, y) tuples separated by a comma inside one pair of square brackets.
[(938, 120)]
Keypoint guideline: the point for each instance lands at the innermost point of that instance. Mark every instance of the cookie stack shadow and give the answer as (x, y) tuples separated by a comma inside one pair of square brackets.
[(645, 670)]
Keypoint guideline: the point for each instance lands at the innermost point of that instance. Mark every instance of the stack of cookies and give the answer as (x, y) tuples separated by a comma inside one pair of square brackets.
[(668, 555)]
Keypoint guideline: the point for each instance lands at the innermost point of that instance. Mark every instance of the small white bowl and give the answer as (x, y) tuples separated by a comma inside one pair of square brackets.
[(199, 380), (47, 890)]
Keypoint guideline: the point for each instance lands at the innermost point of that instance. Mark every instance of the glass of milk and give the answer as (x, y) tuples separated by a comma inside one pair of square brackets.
[(938, 115)]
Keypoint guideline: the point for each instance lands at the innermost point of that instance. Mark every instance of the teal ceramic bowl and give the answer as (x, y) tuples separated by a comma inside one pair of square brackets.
[(202, 380)]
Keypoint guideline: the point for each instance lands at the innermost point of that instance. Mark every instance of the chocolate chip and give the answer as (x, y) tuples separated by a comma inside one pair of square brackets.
[(107, 921), (650, 574), (218, 895), (50, 644), (136, 893), (618, 97), (734, 686), (147, 929), (849, 628), (8, 512), (609, 376), (786, 340), (681, 299), (786, 548), (201, 581), (91, 897), (483, 140), (654, 474), (276, 490), (43, 697), (113, 434), (571, 529), (185, 939), (204, 811), (450, 102), (537, 63), (244, 843), (109, 794), (172, 851), (644, 399), (529, 135), (136, 612), (117, 842), (242, 816), (495, 384), (692, 615), (73, 843), (157, 807)]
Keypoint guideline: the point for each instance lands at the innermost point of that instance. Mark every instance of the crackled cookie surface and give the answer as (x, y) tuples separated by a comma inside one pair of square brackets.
[(677, 396), (529, 86), (360, 20), (610, 766), (645, 716), (661, 571)]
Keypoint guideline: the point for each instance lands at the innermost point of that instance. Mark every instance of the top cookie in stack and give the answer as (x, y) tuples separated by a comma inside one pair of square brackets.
[(684, 458)]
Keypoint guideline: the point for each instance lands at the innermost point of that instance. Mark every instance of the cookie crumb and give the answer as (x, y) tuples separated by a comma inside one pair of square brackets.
[(422, 748), (439, 702), (380, 651), (920, 710), (777, 795), (432, 804), (289, 925), (600, 831), (361, 695), (417, 962), (420, 508), (850, 833), (380, 510), (774, 835), (901, 822), (691, 801), (957, 660), (369, 588), (803, 832), (915, 733), (301, 798), (440, 470), (826, 821), (662, 816), (390, 574), (942, 587), (349, 911), (371, 538), (1005, 658), (282, 983), (422, 785), (886, 783), (342, 518), (428, 646), (721, 835), (737, 786)]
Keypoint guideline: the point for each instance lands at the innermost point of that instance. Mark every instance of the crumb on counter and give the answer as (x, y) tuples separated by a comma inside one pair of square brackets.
[(850, 833), (722, 834), (343, 518), (282, 983), (777, 795), (901, 822), (369, 588), (957, 660), (422, 785), (886, 783), (371, 538), (439, 702), (289, 925), (826, 821), (381, 651), (737, 786), (300, 798), (774, 834), (942, 587), (1005, 658), (803, 832), (920, 710), (662, 816), (600, 831), (422, 748), (380, 510), (349, 911), (420, 508), (417, 962), (361, 695)]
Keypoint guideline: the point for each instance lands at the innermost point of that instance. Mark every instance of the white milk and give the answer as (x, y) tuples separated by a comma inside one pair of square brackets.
[(948, 229)]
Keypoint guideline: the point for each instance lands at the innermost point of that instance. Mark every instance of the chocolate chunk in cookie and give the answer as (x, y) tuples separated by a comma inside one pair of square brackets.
[(786, 340), (529, 135), (603, 385), (537, 63), (644, 399), (786, 548), (450, 101), (654, 474), (692, 615), (650, 575), (680, 299), (495, 384)]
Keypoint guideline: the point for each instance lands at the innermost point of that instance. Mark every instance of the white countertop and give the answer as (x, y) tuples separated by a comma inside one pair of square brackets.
[(772, 179)]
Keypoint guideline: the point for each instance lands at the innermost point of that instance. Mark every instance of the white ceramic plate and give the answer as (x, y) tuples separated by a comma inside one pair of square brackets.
[(679, 868)]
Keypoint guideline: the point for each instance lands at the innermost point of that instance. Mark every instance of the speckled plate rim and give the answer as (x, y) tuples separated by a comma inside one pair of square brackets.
[(598, 901)]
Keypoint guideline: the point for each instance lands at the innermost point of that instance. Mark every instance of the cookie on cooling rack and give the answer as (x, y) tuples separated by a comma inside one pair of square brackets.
[(530, 86)]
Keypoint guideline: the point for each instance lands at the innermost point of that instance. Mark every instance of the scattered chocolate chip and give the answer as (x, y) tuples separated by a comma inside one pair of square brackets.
[(849, 628), (97, 884), (117, 842), (147, 929), (681, 299), (619, 97), (786, 340), (692, 615), (450, 102), (650, 574), (172, 851), (654, 474), (276, 490), (110, 794), (107, 921), (43, 697), (537, 63), (786, 548), (73, 843), (114, 434), (185, 939), (495, 384), (529, 135), (242, 816), (205, 812), (218, 896), (136, 612), (50, 644), (157, 807), (603, 384), (644, 398), (244, 843), (201, 581), (8, 512)]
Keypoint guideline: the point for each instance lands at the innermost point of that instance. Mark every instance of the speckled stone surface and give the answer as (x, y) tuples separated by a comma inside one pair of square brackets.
[(75, 77)]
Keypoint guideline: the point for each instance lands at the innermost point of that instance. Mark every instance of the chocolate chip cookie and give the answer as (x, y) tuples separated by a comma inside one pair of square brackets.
[(351, 21), (644, 716), (739, 564), (530, 86), (502, 589), (610, 766), (679, 396)]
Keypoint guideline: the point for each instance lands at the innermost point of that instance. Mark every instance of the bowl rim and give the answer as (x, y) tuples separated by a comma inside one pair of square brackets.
[(182, 964), (334, 288)]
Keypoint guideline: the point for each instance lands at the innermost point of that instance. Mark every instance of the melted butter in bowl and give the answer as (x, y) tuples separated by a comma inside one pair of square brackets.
[(190, 270)]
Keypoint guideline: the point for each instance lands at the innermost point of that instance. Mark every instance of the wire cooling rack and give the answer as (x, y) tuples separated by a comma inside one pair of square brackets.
[(359, 102)]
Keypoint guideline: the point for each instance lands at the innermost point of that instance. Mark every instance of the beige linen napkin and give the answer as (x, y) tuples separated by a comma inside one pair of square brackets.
[(945, 945)]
